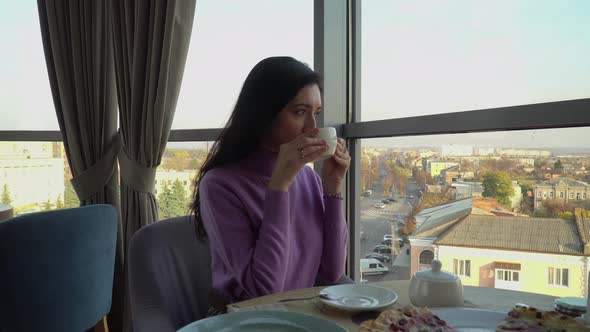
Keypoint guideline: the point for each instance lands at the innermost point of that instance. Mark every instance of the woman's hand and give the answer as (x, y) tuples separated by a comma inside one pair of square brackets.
[(293, 156), (335, 168)]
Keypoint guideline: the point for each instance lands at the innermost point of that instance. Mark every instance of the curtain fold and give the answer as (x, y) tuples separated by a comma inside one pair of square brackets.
[(151, 40), (77, 42)]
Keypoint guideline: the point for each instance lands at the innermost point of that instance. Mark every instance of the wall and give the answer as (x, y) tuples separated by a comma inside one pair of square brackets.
[(533, 273)]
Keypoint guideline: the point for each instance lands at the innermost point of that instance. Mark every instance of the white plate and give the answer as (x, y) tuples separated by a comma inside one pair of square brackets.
[(470, 319), (268, 321), (359, 297)]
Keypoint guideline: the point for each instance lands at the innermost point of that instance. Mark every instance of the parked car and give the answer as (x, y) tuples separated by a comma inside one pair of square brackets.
[(387, 236), (384, 201), (372, 266), (380, 257), (411, 196), (382, 249), (379, 205), (368, 193), (386, 242), (391, 200)]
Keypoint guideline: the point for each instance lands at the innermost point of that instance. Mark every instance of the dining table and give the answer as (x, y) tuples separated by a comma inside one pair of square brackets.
[(474, 297), (307, 301)]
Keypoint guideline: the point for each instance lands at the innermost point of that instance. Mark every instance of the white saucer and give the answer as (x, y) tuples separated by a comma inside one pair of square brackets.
[(358, 297)]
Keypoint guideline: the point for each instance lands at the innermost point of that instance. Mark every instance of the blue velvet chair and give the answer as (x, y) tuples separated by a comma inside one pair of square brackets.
[(56, 269)]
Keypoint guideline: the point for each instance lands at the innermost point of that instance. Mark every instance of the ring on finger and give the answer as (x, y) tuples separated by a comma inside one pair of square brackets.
[(301, 154)]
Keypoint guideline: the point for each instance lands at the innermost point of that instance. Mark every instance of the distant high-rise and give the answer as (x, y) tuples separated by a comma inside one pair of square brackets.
[(456, 150)]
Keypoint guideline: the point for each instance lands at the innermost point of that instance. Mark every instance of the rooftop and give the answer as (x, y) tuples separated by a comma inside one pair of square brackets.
[(563, 182), (432, 218), (515, 233)]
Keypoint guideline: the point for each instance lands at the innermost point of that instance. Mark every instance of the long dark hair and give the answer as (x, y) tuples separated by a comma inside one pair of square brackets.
[(270, 85)]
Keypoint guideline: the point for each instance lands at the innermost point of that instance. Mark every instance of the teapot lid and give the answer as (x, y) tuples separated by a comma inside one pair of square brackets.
[(435, 274)]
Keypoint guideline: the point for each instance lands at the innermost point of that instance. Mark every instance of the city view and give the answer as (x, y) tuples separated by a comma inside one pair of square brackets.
[(502, 217), (415, 202)]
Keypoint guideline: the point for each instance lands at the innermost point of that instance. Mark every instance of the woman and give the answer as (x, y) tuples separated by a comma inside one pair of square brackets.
[(273, 223)]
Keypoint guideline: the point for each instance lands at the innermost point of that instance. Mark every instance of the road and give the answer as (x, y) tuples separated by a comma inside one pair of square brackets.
[(375, 223)]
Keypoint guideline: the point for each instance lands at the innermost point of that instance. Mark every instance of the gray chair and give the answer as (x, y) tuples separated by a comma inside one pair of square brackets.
[(170, 276)]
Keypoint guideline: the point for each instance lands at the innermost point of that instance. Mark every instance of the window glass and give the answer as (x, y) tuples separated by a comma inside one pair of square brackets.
[(35, 176), (229, 37), (175, 176), (457, 55), (426, 257), (422, 174), (25, 95)]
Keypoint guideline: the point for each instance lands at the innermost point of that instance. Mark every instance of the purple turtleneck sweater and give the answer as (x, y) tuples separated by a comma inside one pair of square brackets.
[(264, 241)]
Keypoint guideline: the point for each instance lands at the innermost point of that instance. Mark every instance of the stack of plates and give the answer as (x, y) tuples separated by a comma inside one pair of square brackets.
[(571, 306)]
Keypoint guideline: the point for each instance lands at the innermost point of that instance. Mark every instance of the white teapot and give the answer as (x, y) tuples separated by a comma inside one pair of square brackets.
[(436, 288)]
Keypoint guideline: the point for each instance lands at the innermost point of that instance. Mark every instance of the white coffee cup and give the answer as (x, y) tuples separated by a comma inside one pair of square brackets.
[(329, 135)]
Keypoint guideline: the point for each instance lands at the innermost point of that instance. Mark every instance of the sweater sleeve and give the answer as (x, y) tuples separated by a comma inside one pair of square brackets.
[(254, 260), (335, 238)]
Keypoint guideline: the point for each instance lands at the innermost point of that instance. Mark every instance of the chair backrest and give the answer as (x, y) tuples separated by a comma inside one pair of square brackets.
[(56, 269), (169, 275)]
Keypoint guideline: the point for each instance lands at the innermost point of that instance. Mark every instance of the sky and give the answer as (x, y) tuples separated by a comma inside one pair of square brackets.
[(418, 58)]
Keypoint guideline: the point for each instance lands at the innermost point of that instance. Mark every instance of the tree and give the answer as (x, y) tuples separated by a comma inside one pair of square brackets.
[(498, 185), (554, 208), (566, 215), (388, 184), (5, 195), (70, 197), (179, 199), (527, 202), (164, 199), (47, 205), (58, 202), (173, 201), (422, 177), (366, 178), (558, 166)]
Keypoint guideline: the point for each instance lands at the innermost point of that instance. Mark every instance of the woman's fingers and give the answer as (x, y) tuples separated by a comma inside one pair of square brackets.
[(315, 153), (341, 160)]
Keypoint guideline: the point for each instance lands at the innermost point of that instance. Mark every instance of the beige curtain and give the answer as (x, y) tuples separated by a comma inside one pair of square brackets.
[(77, 41), (151, 40)]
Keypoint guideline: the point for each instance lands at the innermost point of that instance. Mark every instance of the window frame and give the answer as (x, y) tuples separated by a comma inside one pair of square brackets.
[(558, 277), (462, 267), (511, 273), (424, 252)]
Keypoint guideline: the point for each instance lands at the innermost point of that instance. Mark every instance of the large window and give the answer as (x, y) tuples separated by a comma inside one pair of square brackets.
[(422, 58), (417, 59), (34, 176), (25, 95), (175, 176), (229, 37), (402, 177)]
